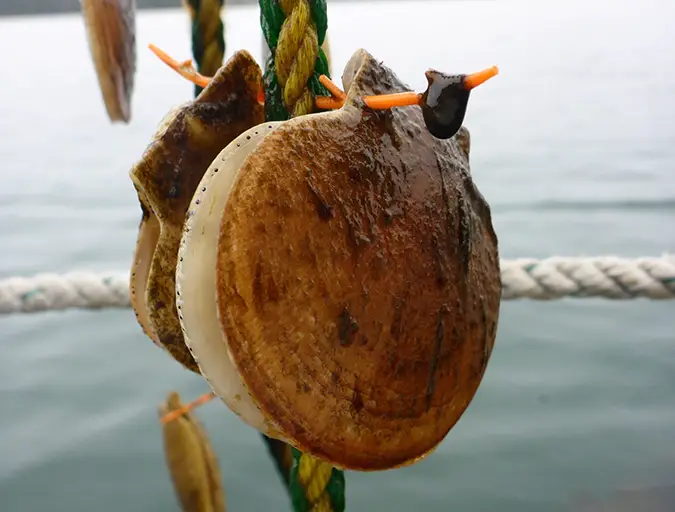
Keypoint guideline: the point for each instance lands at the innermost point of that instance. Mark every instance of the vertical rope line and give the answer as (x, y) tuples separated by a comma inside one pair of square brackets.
[(208, 36), (295, 31)]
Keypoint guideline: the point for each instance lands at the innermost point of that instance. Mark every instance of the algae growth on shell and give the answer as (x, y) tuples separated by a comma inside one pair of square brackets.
[(166, 178)]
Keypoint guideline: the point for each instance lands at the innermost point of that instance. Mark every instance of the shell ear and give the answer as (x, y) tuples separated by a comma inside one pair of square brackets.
[(239, 75), (463, 138)]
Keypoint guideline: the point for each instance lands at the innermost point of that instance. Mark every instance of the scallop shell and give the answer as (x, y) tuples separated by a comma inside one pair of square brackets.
[(166, 178), (191, 461), (111, 32), (354, 279)]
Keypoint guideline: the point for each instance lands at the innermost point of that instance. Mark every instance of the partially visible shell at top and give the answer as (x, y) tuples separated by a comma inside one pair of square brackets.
[(356, 274), (166, 178), (111, 32), (191, 461)]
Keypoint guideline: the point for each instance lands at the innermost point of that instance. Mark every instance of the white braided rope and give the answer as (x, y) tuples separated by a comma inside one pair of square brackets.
[(608, 277), (44, 292), (552, 278)]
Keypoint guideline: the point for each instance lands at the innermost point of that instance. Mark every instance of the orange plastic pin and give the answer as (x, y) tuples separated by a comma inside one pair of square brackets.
[(173, 415), (475, 79), (185, 69)]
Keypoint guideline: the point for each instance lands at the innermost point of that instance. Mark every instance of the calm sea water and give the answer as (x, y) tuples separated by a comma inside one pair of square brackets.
[(574, 147)]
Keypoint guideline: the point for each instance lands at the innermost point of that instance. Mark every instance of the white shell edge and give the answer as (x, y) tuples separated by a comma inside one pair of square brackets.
[(196, 295)]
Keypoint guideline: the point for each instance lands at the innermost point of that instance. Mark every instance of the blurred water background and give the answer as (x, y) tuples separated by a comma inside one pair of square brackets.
[(573, 145)]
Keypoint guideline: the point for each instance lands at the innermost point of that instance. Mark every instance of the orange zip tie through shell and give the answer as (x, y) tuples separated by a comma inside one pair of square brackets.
[(185, 69), (173, 415), (380, 102), (399, 99)]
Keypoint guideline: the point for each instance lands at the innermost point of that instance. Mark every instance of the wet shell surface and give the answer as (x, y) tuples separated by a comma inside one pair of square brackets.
[(166, 179), (351, 267)]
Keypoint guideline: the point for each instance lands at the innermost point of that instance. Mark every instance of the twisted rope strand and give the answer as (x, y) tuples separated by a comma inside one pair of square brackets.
[(294, 31), (208, 35), (557, 277), (314, 477), (297, 51), (605, 276)]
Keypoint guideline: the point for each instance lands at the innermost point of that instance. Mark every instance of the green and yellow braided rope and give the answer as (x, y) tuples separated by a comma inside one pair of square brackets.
[(208, 35), (313, 485), (297, 51), (323, 486), (295, 31)]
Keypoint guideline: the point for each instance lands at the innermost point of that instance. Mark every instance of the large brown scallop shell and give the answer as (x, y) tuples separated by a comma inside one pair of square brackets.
[(359, 283), (166, 178)]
